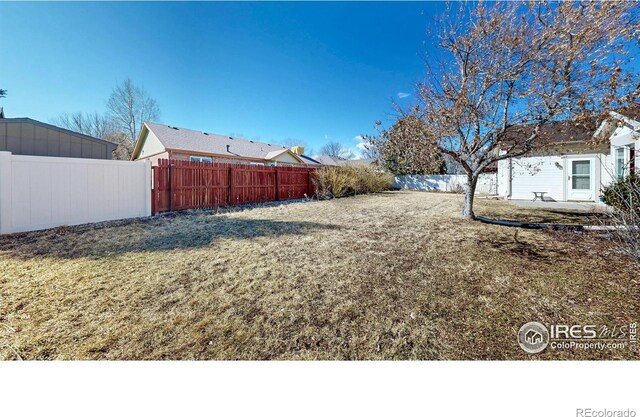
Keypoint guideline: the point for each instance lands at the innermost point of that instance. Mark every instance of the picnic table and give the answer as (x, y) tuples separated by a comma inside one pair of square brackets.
[(538, 194)]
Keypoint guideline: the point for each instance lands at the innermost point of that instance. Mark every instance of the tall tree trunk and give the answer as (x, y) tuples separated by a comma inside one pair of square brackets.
[(469, 192)]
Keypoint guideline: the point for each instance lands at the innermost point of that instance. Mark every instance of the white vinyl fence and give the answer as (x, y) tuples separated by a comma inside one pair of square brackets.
[(40, 192), (487, 183)]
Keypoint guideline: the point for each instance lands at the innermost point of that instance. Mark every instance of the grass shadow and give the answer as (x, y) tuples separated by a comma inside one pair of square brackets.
[(157, 234)]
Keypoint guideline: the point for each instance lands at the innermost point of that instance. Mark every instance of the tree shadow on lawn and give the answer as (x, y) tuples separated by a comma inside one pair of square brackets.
[(157, 234), (516, 246)]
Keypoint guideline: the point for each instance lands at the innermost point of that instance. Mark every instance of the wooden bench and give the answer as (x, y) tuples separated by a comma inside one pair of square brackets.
[(538, 195)]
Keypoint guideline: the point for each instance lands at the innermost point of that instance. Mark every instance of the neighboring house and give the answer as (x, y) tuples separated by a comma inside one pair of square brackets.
[(157, 141), (568, 165), (337, 161), (24, 136)]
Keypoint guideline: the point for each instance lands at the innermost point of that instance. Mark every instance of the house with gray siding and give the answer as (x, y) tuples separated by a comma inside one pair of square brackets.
[(24, 136)]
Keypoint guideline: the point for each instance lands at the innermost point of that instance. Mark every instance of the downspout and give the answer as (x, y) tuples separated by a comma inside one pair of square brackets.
[(510, 169)]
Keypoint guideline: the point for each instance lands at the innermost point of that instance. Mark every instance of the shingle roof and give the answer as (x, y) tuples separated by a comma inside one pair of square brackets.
[(329, 160), (179, 138), (632, 111), (336, 160), (553, 133)]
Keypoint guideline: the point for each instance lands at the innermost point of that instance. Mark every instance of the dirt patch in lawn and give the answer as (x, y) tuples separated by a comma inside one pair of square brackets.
[(390, 276)]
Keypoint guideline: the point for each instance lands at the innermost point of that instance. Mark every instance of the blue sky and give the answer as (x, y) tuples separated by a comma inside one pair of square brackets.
[(312, 72)]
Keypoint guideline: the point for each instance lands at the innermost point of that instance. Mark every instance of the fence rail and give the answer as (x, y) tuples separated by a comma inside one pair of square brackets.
[(184, 185)]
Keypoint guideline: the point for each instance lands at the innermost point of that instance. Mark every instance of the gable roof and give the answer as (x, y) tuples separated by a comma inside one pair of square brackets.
[(59, 129), (627, 117), (181, 139)]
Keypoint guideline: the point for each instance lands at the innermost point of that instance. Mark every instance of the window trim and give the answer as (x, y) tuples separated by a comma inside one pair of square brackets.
[(621, 172)]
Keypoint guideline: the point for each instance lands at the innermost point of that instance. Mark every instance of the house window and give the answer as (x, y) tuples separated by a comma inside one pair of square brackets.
[(621, 162), (581, 179), (201, 159)]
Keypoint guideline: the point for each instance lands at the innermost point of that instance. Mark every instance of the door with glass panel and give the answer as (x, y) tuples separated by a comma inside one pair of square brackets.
[(581, 181)]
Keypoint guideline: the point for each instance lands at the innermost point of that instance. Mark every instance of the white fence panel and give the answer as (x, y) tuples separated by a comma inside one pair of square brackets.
[(40, 192), (487, 183)]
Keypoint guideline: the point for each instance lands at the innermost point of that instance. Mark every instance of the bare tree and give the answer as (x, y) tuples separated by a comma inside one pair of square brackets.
[(125, 146), (336, 149), (99, 126), (129, 106), (514, 66), (370, 151), (92, 124), (3, 93), (331, 148)]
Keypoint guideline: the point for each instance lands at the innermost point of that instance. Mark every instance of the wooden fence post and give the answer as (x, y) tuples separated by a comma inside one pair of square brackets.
[(154, 189), (277, 184), (310, 181), (230, 186), (170, 184)]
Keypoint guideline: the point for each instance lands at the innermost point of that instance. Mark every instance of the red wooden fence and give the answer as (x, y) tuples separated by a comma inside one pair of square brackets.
[(183, 185)]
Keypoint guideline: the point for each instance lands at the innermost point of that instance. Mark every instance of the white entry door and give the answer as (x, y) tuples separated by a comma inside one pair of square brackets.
[(581, 181)]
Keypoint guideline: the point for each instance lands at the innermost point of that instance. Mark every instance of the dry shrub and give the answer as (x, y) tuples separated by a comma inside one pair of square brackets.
[(624, 198), (341, 181)]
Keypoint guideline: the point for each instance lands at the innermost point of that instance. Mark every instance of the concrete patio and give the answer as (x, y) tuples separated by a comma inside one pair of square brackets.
[(561, 205)]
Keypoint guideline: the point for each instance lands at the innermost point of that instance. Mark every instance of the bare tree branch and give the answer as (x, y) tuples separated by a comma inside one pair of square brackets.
[(129, 106)]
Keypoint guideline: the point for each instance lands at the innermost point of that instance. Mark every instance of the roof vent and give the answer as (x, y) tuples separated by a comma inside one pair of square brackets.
[(228, 146), (206, 133), (230, 137), (251, 141), (173, 127)]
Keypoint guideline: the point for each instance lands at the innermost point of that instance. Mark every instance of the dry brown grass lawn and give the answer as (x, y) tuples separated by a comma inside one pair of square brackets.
[(390, 276)]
